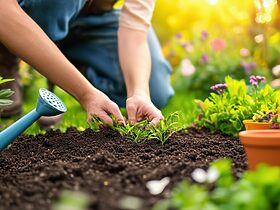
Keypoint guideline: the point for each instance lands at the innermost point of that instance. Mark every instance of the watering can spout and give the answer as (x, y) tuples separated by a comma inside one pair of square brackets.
[(48, 105)]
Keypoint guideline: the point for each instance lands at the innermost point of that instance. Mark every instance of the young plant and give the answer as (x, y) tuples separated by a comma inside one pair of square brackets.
[(165, 128), (4, 94), (234, 102), (144, 131), (258, 190), (96, 124), (137, 132)]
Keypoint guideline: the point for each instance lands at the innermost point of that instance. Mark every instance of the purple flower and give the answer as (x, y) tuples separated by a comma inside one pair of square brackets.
[(270, 115), (274, 126), (255, 80), (248, 66), (219, 88), (204, 58), (178, 35), (204, 35)]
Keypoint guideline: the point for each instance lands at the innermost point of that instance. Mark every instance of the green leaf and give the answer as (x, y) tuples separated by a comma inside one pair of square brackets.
[(5, 80), (5, 102), (5, 93)]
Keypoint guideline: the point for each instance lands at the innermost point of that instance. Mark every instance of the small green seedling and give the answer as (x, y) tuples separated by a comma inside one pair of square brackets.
[(137, 132), (96, 124), (165, 128), (144, 131)]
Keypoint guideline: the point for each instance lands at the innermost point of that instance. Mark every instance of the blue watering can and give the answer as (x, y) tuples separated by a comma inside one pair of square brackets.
[(48, 104)]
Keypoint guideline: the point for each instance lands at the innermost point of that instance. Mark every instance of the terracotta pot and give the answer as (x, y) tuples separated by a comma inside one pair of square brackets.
[(251, 125), (261, 146)]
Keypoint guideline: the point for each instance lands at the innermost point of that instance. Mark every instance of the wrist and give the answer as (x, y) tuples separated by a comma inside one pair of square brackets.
[(142, 92), (87, 96)]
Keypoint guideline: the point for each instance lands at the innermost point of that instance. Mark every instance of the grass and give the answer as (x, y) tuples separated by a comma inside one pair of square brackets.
[(182, 102)]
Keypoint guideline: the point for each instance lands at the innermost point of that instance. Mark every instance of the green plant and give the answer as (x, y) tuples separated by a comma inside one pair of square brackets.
[(256, 190), (165, 128), (145, 131), (5, 93), (71, 200), (234, 102), (268, 114)]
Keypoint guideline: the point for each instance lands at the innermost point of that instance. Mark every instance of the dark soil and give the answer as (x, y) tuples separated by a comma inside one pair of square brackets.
[(34, 170)]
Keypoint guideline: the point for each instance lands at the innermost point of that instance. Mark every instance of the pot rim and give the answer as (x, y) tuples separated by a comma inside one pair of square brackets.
[(265, 137), (253, 122)]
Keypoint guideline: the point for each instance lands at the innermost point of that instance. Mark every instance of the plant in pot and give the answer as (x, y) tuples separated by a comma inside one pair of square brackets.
[(263, 145), (266, 115), (265, 118), (234, 103)]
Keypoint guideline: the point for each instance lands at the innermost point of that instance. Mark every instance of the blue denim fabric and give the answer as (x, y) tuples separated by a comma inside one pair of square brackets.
[(91, 40)]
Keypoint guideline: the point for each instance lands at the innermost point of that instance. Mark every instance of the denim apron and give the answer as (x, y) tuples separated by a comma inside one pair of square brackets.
[(91, 40)]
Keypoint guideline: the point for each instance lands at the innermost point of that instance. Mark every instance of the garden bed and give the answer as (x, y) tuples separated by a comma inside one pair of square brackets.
[(105, 165)]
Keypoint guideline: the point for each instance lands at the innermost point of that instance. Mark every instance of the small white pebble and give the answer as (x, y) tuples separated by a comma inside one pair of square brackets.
[(157, 186), (212, 175), (199, 175)]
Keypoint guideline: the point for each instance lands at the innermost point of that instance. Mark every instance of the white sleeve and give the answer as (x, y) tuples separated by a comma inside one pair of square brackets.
[(137, 14)]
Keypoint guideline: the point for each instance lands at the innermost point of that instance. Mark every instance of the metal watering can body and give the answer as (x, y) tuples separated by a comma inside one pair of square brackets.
[(48, 104)]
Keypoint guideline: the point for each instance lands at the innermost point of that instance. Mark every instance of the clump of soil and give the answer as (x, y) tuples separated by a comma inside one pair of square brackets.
[(106, 166)]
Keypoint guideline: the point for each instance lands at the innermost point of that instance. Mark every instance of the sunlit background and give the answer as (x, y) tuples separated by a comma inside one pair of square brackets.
[(206, 40)]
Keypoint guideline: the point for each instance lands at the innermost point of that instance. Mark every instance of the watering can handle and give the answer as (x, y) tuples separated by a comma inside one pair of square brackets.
[(8, 135)]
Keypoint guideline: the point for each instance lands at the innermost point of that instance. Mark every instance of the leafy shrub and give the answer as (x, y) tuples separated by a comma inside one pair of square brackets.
[(256, 190), (225, 110), (4, 94)]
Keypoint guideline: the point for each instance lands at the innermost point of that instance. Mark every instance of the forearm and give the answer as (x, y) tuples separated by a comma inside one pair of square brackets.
[(135, 61), (25, 38)]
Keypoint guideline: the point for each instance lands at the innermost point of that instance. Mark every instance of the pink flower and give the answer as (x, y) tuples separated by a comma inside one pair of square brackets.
[(218, 44), (248, 66), (276, 70), (275, 83), (188, 46), (187, 68), (245, 52)]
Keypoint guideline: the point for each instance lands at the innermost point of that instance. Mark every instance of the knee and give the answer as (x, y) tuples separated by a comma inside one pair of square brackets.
[(160, 86), (161, 99)]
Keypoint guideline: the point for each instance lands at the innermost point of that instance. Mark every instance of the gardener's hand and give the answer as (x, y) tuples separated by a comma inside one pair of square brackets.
[(97, 104), (140, 107)]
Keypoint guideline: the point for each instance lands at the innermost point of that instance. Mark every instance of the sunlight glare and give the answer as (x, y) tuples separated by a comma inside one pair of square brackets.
[(213, 2)]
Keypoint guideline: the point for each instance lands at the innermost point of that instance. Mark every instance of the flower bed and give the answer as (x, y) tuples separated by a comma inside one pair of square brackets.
[(106, 166)]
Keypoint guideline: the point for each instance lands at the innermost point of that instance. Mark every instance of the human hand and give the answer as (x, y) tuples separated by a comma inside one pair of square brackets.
[(141, 107), (97, 104)]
